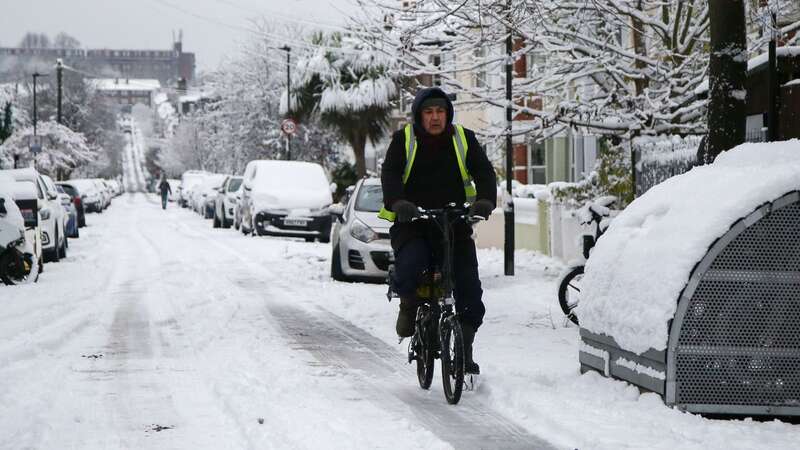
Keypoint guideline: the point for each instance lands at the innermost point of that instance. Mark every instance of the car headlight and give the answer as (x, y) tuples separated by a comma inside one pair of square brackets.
[(319, 212), (45, 213), (362, 232)]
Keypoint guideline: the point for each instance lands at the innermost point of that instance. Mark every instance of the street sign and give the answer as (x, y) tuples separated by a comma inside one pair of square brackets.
[(289, 126), (35, 144)]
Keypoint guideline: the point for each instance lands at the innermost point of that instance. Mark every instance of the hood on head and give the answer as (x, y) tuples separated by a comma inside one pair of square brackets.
[(425, 94)]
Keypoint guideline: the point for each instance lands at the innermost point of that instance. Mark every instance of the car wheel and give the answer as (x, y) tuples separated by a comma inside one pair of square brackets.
[(336, 265), (225, 222), (63, 249), (216, 222)]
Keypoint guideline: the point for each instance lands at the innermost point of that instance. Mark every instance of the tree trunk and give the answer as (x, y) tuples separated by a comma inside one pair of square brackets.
[(359, 143), (640, 47), (727, 113)]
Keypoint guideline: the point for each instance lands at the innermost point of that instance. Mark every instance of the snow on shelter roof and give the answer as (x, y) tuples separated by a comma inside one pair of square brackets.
[(639, 267)]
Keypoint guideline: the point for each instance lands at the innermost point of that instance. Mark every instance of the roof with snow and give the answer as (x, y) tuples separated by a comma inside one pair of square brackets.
[(639, 267), (126, 84)]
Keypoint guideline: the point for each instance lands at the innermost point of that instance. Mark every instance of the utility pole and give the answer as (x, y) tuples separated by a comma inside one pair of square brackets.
[(35, 76), (508, 208), (59, 83), (288, 97), (773, 90)]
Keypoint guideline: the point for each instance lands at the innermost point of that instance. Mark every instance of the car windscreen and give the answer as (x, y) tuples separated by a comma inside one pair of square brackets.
[(69, 190), (370, 199), (234, 184)]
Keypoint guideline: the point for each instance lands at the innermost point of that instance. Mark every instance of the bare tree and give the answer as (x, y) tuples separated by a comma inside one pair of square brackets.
[(64, 40), (35, 40)]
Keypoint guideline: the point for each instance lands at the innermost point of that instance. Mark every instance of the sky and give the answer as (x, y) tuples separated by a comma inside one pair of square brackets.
[(210, 27)]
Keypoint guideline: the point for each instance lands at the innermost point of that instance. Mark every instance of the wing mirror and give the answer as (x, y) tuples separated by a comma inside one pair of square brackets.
[(337, 211)]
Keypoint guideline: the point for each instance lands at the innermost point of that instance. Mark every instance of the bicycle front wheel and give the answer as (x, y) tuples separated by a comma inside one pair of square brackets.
[(452, 359), (569, 293)]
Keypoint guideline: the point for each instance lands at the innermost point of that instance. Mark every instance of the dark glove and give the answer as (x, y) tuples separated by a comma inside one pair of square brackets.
[(405, 210), (482, 208)]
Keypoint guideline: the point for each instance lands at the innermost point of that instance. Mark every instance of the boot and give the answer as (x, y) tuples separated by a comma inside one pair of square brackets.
[(468, 332), (406, 317)]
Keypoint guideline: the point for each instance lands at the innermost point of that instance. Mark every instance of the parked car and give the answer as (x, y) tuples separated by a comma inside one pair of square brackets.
[(286, 198), (74, 192), (71, 226), (237, 206), (175, 188), (205, 194), (225, 202), (51, 213), (361, 246), (105, 192), (26, 196), (18, 260), (90, 195), (189, 180)]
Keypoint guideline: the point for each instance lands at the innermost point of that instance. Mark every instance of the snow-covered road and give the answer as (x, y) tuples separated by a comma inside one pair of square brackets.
[(161, 332)]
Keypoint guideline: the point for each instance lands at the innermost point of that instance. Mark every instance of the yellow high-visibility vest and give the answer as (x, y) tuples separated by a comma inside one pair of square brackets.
[(460, 146)]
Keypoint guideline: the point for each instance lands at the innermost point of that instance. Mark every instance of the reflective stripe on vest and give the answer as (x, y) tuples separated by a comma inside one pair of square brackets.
[(460, 146)]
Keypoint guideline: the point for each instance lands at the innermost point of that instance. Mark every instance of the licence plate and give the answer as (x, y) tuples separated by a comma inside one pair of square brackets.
[(295, 222)]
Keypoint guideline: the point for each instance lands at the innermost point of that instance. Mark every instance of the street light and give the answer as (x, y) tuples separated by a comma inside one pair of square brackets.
[(36, 75), (288, 51)]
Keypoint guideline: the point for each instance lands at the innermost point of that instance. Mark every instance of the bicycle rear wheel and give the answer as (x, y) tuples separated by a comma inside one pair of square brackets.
[(569, 292), (423, 351), (452, 359)]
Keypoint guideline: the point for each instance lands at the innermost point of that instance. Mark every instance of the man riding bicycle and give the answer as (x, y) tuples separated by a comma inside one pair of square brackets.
[(430, 164)]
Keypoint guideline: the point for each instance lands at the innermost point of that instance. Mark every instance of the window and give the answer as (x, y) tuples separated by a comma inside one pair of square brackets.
[(480, 73), (370, 198), (436, 80), (537, 164), (234, 184)]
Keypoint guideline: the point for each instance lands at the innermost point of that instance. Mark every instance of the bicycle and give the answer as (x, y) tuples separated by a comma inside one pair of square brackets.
[(437, 326), (569, 288)]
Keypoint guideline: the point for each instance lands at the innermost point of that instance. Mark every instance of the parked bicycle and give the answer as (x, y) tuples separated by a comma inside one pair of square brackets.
[(437, 329), (569, 289)]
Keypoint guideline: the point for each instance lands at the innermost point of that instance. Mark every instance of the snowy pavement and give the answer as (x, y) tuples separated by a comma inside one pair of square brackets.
[(160, 332)]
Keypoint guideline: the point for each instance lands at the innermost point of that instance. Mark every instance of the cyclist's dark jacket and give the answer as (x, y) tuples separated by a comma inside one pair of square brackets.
[(435, 179)]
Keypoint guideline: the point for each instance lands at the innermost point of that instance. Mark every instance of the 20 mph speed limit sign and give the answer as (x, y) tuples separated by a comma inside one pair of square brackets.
[(289, 126)]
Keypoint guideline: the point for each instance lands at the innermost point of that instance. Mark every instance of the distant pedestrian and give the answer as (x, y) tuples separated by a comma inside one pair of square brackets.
[(165, 190)]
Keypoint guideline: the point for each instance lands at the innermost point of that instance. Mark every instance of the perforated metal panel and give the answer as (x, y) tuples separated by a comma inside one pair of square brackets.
[(735, 343)]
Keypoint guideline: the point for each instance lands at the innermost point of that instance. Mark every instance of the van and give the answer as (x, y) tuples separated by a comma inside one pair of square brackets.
[(286, 198)]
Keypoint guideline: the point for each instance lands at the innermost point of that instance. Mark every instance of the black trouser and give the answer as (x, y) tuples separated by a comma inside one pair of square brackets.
[(164, 200), (415, 256)]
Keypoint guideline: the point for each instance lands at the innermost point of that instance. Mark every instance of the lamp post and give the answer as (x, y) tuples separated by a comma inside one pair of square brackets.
[(288, 51), (35, 76)]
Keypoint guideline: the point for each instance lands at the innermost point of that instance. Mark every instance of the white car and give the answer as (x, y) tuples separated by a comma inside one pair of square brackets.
[(90, 195), (54, 238), (19, 250), (225, 202), (206, 194), (189, 180), (361, 246), (286, 198)]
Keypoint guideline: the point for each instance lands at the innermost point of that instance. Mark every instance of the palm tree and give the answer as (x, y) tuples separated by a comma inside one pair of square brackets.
[(350, 88)]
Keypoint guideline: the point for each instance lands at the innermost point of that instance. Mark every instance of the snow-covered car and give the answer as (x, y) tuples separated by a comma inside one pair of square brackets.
[(51, 213), (26, 196), (105, 191), (206, 194), (90, 195), (361, 246), (19, 252), (286, 198), (189, 180), (75, 194), (60, 215), (175, 187), (225, 202)]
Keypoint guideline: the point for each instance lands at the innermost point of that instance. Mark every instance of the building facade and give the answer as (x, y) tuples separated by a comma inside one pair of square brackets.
[(166, 66)]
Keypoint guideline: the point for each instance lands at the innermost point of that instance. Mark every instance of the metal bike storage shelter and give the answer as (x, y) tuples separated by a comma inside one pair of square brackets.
[(733, 344)]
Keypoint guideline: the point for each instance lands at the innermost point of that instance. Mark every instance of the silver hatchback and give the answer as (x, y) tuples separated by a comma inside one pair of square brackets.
[(361, 247)]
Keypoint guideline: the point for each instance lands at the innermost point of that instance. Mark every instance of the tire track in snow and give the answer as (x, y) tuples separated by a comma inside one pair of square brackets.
[(384, 379), (341, 345)]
